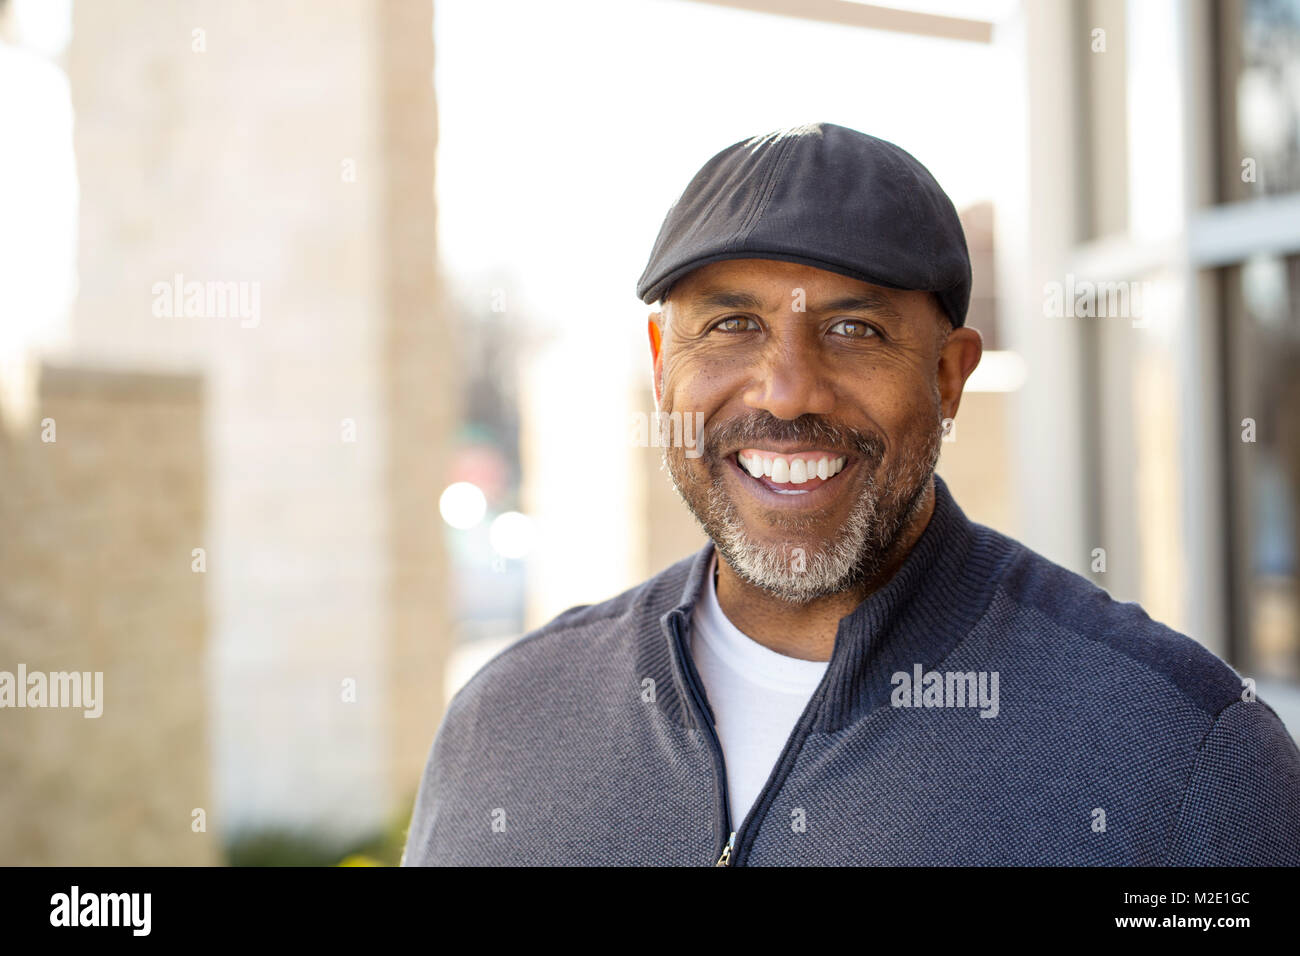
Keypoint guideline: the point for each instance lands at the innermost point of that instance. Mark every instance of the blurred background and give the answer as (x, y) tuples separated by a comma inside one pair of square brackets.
[(310, 312)]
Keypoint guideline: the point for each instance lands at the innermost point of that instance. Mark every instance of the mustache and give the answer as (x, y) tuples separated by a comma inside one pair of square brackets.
[(811, 430)]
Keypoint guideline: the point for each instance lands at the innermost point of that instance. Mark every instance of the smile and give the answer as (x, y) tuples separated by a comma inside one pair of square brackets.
[(790, 473)]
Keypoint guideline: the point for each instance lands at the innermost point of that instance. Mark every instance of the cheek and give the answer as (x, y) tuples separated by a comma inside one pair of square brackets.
[(696, 385), (924, 412), (898, 403)]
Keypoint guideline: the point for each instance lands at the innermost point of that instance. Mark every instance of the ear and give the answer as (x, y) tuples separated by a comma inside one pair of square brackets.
[(958, 357), (656, 354)]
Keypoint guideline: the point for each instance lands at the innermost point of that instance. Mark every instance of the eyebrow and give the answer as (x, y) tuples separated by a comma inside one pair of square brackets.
[(738, 299), (861, 302), (726, 299)]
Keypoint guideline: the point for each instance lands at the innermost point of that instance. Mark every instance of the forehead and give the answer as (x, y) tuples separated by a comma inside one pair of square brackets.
[(773, 284)]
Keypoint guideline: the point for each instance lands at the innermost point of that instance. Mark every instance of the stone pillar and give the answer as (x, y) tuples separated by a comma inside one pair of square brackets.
[(421, 383), (287, 145), (103, 504)]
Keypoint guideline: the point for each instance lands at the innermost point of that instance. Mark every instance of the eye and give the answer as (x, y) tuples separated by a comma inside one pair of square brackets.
[(854, 329), (735, 323)]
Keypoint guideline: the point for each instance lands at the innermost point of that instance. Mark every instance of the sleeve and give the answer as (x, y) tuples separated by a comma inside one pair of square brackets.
[(1241, 806)]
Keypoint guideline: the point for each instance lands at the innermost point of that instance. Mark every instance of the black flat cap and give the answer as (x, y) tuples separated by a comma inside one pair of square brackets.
[(824, 196)]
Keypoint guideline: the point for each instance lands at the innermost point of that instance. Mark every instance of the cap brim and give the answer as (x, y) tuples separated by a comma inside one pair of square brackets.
[(655, 292)]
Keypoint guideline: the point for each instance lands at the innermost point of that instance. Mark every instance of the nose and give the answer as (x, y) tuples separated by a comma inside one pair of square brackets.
[(791, 380)]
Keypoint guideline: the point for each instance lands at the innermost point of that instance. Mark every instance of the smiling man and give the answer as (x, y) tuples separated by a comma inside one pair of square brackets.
[(851, 671)]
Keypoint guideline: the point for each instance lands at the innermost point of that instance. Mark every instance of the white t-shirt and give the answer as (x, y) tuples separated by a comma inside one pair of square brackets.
[(757, 696)]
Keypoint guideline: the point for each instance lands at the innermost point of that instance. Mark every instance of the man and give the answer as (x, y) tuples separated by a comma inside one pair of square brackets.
[(851, 671)]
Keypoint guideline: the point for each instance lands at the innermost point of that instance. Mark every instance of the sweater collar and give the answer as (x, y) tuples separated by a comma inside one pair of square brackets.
[(933, 601)]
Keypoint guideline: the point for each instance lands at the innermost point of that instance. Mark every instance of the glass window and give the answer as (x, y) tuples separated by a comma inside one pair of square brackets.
[(1263, 300), (1260, 80)]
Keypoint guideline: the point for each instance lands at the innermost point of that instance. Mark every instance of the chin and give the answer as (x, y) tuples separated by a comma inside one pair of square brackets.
[(793, 572)]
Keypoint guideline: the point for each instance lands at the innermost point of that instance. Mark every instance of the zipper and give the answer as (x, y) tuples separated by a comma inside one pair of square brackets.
[(776, 780), (725, 859), (727, 853), (719, 765)]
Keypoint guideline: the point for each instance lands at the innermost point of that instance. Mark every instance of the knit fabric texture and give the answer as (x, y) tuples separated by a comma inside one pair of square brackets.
[(1104, 739)]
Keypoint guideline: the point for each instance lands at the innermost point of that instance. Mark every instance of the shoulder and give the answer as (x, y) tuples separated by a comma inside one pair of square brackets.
[(1076, 612), (575, 639), (1241, 806)]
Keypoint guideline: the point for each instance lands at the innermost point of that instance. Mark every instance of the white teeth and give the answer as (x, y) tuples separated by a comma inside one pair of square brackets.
[(795, 471)]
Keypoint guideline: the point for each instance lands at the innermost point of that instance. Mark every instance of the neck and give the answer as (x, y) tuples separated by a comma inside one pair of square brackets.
[(807, 631)]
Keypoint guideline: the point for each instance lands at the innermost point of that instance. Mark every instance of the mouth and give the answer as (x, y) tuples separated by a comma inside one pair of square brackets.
[(800, 478)]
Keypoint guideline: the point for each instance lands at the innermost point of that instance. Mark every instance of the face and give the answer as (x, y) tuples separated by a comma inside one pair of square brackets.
[(823, 400)]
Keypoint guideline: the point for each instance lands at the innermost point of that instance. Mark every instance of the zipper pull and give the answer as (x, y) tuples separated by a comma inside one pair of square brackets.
[(725, 859)]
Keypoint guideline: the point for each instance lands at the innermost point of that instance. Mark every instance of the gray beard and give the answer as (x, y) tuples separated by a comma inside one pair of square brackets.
[(800, 570)]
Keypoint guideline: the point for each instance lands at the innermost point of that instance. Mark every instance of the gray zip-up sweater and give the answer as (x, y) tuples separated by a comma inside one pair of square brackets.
[(1107, 738)]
